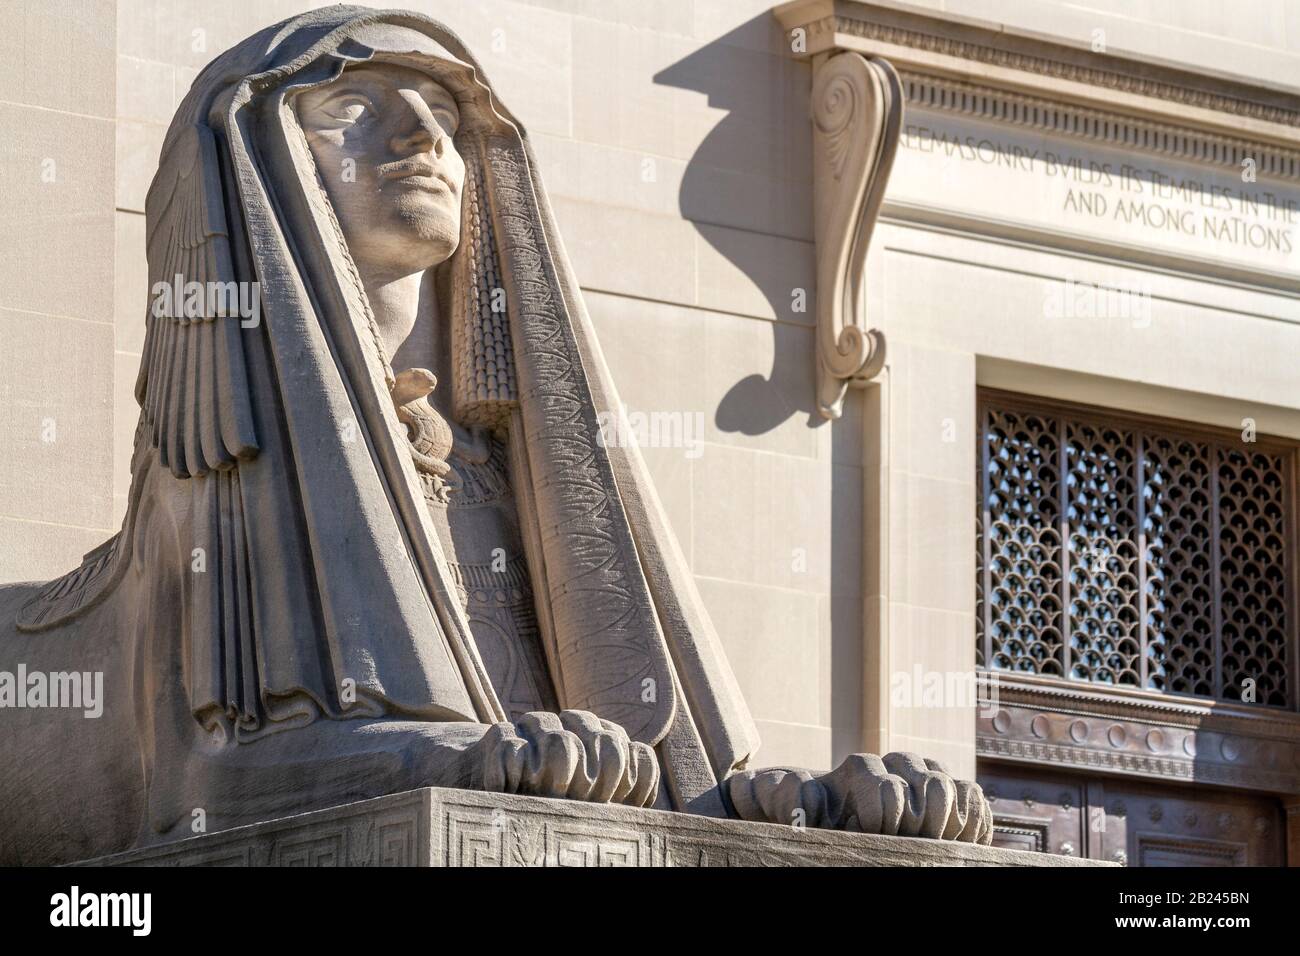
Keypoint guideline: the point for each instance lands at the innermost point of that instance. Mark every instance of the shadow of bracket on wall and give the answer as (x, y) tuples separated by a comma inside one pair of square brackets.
[(857, 109)]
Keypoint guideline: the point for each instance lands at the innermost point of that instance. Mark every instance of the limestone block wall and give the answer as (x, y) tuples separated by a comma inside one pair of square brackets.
[(57, 109)]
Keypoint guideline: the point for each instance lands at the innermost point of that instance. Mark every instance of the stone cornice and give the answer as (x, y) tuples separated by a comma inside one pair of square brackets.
[(1150, 706), (1139, 734), (1055, 72), (1102, 126)]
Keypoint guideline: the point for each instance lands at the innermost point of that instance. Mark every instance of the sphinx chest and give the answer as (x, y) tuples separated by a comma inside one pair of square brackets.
[(472, 507)]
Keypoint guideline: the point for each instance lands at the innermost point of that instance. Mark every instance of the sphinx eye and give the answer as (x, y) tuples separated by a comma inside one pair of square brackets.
[(447, 119), (349, 108)]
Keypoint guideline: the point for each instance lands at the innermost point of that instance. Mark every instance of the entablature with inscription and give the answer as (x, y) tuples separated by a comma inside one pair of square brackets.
[(1029, 139)]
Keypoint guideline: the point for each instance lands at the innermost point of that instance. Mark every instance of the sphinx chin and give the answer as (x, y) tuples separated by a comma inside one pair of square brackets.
[(431, 226)]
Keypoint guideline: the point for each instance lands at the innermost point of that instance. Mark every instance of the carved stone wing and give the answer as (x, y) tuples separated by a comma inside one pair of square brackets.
[(193, 385)]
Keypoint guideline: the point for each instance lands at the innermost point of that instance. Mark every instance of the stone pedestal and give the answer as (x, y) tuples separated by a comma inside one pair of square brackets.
[(438, 827)]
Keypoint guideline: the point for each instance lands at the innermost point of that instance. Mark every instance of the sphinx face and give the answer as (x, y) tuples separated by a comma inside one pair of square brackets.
[(381, 136)]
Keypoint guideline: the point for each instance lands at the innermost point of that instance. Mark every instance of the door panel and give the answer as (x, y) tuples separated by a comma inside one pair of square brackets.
[(1139, 824), (1034, 811)]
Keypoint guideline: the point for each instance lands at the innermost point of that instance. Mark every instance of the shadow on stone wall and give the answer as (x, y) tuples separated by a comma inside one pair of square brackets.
[(747, 190), (729, 194)]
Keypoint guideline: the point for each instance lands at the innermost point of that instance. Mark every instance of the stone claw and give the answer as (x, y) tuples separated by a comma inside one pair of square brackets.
[(900, 794), (573, 755)]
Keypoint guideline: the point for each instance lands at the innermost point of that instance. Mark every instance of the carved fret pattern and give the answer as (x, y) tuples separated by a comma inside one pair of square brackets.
[(466, 828), (1176, 574)]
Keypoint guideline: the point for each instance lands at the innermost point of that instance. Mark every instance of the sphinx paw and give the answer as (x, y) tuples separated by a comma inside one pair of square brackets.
[(908, 795), (899, 794), (573, 755)]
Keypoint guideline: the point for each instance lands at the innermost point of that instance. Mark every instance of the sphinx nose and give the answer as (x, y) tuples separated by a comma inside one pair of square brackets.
[(419, 131)]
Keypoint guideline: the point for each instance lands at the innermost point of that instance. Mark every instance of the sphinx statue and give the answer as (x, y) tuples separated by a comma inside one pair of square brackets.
[(374, 539)]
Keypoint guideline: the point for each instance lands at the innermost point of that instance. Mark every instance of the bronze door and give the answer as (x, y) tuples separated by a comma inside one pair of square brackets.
[(1138, 824)]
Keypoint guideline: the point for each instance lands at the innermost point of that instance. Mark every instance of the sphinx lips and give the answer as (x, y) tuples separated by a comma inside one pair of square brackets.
[(420, 174)]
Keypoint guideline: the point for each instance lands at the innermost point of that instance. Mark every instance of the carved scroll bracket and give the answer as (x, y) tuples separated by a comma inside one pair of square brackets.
[(857, 107)]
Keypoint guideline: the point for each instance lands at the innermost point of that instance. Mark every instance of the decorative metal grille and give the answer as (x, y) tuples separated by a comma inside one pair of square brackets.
[(1132, 552)]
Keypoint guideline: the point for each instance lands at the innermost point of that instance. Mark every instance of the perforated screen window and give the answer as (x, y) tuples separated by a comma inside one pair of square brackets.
[(1132, 552)]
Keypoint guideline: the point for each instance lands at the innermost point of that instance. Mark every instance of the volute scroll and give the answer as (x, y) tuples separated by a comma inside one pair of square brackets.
[(857, 107)]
